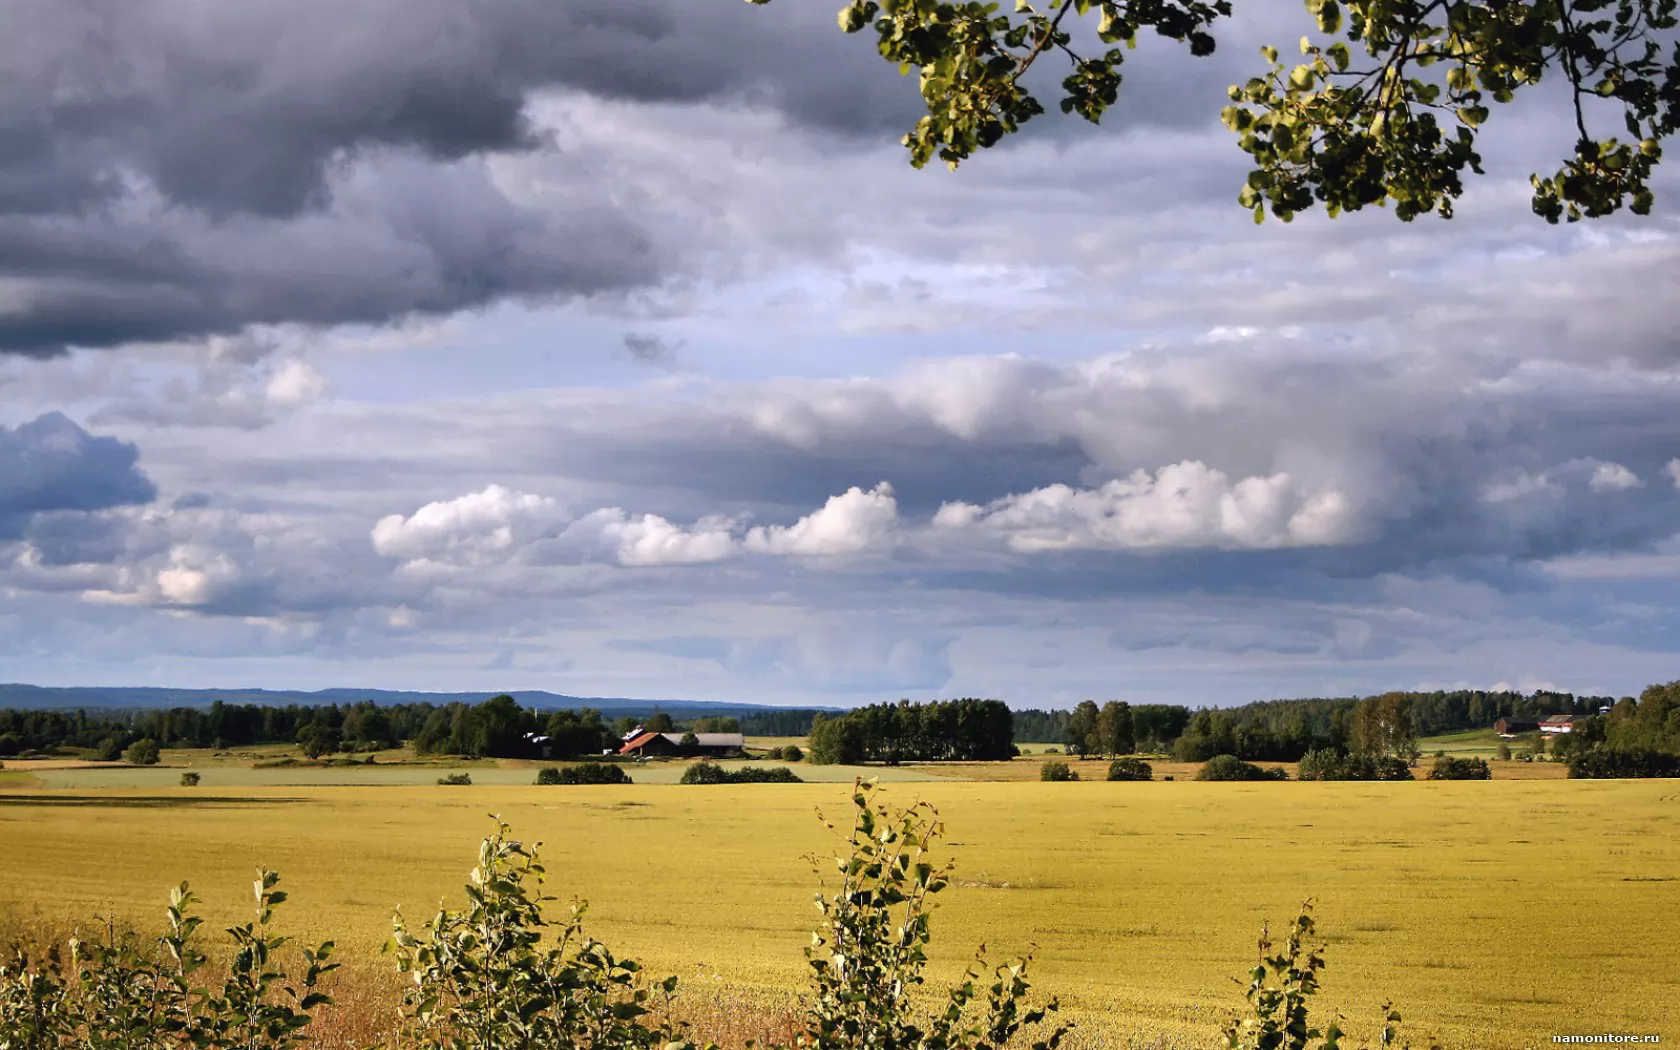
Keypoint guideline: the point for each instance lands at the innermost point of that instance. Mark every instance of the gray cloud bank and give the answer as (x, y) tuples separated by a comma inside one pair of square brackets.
[(169, 170)]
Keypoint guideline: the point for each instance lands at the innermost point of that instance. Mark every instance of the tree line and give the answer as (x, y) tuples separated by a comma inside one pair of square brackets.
[(968, 729), (495, 728)]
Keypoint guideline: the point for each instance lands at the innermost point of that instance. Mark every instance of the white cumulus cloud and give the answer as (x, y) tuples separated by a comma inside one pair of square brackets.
[(472, 529), (295, 383), (1613, 477), (653, 540), (850, 523), (1183, 505)]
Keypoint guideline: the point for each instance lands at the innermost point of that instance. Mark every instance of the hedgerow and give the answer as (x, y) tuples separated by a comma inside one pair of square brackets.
[(1330, 764), (1449, 768), (585, 773), (712, 773)]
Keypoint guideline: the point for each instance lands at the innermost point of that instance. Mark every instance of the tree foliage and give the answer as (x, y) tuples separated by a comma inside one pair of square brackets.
[(1384, 105), (143, 752), (497, 974), (869, 954)]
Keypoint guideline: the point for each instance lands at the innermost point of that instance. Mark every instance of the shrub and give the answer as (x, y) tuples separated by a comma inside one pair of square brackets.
[(775, 775), (455, 779), (117, 993), (586, 773), (1230, 767), (705, 773), (108, 750), (1330, 764), (868, 955), (1279, 1017), (712, 773), (1460, 769), (1130, 769), (189, 780), (1052, 750), (143, 752), (1169, 776), (492, 976), (1607, 763), (1504, 751), (791, 753), (1057, 770)]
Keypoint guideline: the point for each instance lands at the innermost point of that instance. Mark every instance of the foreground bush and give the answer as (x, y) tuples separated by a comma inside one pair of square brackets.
[(118, 993), (712, 773), (1057, 770), (496, 975), (1130, 769), (1230, 767), (1460, 769), (1330, 764), (587, 773), (1610, 763), (455, 779)]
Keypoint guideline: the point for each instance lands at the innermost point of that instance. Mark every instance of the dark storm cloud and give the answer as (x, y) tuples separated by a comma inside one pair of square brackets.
[(417, 239), (245, 108), (170, 170), (51, 464)]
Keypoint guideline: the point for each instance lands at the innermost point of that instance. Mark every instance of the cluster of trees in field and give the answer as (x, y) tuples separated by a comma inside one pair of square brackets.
[(1154, 726), (1637, 738), (942, 730)]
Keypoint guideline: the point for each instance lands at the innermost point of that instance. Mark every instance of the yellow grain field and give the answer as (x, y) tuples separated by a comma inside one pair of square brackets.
[(1494, 914)]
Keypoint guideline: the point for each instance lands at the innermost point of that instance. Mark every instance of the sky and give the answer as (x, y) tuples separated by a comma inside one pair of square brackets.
[(611, 347)]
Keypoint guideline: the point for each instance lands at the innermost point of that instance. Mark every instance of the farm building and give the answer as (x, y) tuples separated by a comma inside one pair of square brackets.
[(713, 744), (1509, 727), (1556, 724)]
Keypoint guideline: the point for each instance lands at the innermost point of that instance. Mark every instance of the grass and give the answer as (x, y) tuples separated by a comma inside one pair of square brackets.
[(1143, 899)]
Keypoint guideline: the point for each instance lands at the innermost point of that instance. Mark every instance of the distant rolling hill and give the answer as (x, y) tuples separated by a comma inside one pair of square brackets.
[(40, 697)]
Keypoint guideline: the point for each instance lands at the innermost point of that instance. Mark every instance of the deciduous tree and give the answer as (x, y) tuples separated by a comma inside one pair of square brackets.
[(1384, 104)]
